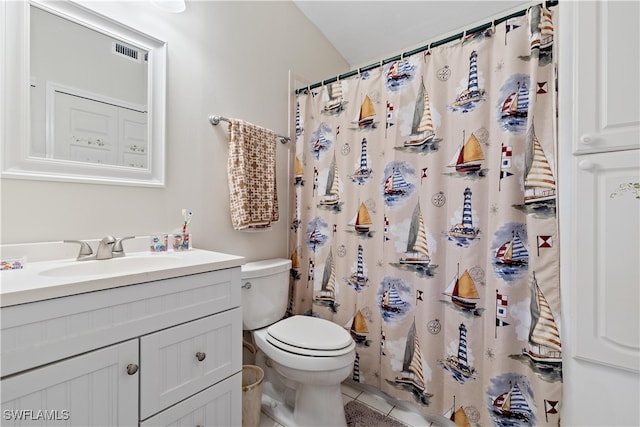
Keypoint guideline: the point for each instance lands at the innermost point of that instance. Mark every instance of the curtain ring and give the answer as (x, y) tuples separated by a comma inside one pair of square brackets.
[(426, 53)]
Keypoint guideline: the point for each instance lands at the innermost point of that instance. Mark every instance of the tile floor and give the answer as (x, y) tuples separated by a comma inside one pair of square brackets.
[(349, 393)]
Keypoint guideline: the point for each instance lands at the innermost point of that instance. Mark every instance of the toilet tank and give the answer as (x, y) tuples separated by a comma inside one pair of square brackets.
[(265, 292)]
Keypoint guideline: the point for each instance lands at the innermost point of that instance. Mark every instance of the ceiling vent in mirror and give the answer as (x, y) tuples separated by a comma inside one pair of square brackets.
[(125, 51)]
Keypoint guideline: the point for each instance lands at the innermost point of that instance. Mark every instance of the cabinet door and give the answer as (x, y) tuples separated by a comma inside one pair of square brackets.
[(132, 141), (93, 389), (605, 262), (181, 361), (85, 130), (219, 405), (605, 81)]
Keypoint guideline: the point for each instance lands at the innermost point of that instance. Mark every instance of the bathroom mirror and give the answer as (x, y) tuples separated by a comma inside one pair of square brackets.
[(84, 96)]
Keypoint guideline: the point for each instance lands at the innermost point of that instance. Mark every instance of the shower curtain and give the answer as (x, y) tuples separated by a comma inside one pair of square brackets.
[(424, 222)]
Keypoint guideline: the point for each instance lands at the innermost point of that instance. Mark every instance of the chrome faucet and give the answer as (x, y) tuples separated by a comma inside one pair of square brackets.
[(109, 247), (105, 248)]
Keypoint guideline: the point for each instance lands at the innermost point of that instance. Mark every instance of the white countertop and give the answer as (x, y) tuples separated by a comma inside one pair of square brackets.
[(40, 280)]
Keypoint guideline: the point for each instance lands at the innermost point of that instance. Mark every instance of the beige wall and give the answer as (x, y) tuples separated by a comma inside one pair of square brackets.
[(230, 58)]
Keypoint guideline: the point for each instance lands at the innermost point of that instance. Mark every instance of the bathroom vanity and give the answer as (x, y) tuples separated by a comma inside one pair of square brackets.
[(154, 342)]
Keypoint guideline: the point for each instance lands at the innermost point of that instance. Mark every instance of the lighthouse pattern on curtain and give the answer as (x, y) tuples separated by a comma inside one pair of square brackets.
[(424, 222)]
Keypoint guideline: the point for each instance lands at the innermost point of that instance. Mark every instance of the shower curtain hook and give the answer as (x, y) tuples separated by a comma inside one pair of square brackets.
[(426, 53), (493, 26)]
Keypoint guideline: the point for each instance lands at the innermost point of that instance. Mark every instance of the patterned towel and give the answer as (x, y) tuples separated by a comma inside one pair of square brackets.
[(252, 176)]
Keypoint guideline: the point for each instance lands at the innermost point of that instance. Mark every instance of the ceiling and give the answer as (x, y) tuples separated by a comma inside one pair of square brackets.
[(368, 31)]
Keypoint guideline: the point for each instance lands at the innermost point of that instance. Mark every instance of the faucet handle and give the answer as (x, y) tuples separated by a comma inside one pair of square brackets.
[(85, 248), (118, 249)]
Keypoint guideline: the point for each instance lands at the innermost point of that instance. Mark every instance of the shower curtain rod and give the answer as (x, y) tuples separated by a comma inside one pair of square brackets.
[(217, 119), (483, 27)]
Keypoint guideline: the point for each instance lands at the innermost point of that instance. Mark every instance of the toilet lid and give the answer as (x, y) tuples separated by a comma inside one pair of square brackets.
[(310, 336)]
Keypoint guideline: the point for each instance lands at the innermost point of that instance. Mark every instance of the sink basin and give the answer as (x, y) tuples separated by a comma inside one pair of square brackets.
[(112, 266), (53, 272)]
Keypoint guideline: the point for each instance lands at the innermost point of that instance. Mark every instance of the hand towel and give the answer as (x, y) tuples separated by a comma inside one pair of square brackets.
[(252, 176)]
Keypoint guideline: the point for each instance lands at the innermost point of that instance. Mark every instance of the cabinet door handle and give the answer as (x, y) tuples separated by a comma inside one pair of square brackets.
[(586, 139), (132, 368), (586, 165), (200, 356)]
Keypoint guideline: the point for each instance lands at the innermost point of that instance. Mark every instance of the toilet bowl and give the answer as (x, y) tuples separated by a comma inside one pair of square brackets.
[(304, 356)]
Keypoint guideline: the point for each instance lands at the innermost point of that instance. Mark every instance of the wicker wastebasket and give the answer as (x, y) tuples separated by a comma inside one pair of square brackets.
[(252, 377)]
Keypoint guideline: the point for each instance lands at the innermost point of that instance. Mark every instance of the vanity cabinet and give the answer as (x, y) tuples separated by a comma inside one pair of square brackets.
[(180, 361), (215, 406), (90, 389), (149, 354)]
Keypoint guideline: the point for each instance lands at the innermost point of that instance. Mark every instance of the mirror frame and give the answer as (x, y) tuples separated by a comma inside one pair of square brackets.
[(15, 105)]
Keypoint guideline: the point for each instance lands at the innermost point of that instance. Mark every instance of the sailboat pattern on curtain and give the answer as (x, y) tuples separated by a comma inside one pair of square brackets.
[(424, 222)]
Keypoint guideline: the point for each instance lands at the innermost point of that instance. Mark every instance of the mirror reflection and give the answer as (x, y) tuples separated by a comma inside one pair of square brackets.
[(89, 100)]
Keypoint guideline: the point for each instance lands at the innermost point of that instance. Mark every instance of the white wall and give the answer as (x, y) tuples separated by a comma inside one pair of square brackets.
[(227, 58)]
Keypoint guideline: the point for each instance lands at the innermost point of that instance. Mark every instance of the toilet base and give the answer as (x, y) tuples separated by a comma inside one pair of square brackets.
[(276, 409), (280, 396), (308, 413), (319, 405)]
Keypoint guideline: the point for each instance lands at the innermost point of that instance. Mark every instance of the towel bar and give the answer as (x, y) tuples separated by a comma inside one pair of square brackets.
[(215, 120)]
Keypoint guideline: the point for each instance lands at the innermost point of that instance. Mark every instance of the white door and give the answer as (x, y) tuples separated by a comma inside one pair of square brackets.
[(607, 202), (599, 150), (606, 75), (94, 389)]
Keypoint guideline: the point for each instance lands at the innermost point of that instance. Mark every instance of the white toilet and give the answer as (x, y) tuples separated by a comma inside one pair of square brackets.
[(302, 356)]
